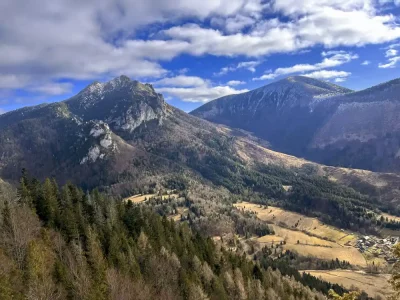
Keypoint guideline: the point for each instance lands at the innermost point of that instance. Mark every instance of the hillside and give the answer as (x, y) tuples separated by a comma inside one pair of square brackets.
[(124, 139), (320, 121), (121, 136), (65, 244)]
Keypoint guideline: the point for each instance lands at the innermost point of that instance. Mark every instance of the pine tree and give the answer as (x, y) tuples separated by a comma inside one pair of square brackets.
[(98, 267), (23, 192)]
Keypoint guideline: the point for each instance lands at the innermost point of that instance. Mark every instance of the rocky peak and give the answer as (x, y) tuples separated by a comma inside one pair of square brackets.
[(122, 103)]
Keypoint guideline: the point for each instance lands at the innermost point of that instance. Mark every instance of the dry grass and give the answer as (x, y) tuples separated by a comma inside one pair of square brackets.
[(142, 198), (270, 239), (349, 254), (294, 236), (139, 198), (181, 211), (313, 246), (307, 236), (371, 284), (290, 219)]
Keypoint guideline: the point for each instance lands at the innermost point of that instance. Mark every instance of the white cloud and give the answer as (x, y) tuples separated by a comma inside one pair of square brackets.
[(183, 71), (181, 80), (391, 52), (329, 23), (43, 43), (2, 111), (235, 82), (53, 89), (391, 63), (340, 79), (331, 59), (328, 74), (224, 71), (396, 45), (202, 93), (249, 65), (392, 57), (13, 81), (365, 63)]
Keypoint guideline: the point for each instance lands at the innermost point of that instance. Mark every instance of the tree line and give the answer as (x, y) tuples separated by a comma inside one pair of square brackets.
[(64, 243)]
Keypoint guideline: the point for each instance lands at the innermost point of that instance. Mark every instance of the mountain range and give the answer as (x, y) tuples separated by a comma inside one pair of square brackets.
[(121, 135), (320, 121), (124, 139)]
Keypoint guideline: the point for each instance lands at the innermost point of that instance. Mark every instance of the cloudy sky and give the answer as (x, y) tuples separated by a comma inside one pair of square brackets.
[(193, 51)]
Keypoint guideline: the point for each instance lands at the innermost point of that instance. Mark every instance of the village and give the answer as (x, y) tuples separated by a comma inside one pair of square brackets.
[(379, 247)]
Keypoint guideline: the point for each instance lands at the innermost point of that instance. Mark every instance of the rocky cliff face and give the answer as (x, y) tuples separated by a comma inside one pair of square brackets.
[(363, 130), (66, 137), (121, 135), (109, 133), (320, 121)]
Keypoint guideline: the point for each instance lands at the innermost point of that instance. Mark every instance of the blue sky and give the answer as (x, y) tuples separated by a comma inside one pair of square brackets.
[(192, 51)]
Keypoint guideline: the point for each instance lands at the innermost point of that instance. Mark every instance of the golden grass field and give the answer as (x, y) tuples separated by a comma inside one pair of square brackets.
[(312, 226), (181, 211), (141, 198), (310, 233), (371, 284)]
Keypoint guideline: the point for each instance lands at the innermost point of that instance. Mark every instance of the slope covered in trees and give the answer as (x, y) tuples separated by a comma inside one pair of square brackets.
[(67, 244)]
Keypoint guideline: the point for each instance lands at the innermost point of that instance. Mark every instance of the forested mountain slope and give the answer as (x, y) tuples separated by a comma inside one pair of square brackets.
[(67, 244), (318, 120), (122, 137)]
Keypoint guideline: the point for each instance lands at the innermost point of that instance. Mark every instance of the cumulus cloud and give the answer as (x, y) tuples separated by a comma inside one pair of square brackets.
[(203, 93), (53, 89), (41, 44), (194, 89), (391, 63), (365, 63), (331, 59), (330, 23), (181, 80), (328, 74), (249, 65), (392, 57), (391, 52), (235, 82)]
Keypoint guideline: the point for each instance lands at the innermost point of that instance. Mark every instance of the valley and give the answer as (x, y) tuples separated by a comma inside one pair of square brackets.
[(123, 141), (200, 150), (311, 238)]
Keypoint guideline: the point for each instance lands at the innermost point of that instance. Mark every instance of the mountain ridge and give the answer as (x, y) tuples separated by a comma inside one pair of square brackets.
[(329, 128)]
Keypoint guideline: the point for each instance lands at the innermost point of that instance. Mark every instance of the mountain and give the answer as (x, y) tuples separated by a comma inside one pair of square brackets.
[(124, 139), (121, 136), (105, 134), (318, 120)]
